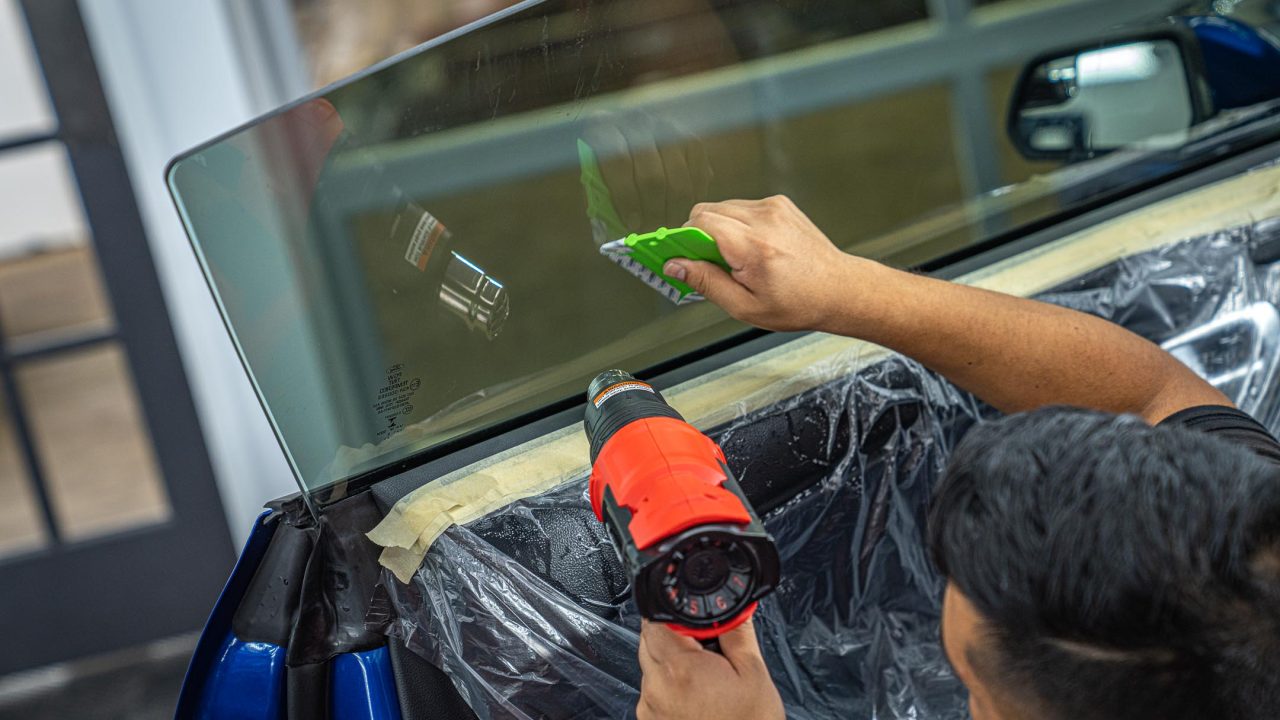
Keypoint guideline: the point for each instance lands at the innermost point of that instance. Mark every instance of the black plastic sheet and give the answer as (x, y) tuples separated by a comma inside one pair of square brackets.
[(528, 611)]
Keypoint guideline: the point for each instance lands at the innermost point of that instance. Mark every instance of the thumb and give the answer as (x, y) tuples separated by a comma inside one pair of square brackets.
[(740, 647), (710, 280)]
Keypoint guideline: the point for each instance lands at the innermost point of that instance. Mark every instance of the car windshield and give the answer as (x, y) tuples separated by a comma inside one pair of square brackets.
[(412, 256)]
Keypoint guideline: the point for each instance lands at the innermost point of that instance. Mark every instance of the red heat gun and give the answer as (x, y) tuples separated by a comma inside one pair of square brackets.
[(697, 556)]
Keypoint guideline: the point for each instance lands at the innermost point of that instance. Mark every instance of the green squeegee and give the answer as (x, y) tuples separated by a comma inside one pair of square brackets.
[(645, 255)]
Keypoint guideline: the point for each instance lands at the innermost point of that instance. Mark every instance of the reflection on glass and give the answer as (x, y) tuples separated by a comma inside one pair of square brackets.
[(341, 38), (413, 256), (91, 437), (1105, 99), (1000, 88), (368, 245), (981, 3)]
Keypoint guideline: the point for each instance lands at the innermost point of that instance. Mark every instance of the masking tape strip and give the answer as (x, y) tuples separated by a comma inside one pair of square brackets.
[(534, 467)]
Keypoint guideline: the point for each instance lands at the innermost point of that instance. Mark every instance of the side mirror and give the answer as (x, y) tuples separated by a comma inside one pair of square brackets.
[(1074, 104)]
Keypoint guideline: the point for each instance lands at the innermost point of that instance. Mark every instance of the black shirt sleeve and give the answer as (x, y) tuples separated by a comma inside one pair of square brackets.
[(1229, 424)]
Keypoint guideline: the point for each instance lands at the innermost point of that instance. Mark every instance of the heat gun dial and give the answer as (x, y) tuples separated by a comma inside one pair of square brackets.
[(707, 579)]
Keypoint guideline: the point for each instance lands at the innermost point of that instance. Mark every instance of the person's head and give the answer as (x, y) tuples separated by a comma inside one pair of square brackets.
[(1102, 569)]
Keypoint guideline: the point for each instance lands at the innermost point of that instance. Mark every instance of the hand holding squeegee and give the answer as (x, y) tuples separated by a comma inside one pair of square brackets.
[(645, 256)]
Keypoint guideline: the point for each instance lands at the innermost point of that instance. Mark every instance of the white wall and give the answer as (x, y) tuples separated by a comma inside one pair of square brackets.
[(174, 77), (25, 108)]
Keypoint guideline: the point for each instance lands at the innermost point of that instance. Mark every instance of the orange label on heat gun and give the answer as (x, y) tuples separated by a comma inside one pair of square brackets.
[(423, 241), (621, 387)]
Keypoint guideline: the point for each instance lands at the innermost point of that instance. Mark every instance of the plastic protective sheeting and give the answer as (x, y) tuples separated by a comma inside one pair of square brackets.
[(528, 611)]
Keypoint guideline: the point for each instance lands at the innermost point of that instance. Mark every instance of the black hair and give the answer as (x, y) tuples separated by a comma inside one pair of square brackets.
[(1123, 571)]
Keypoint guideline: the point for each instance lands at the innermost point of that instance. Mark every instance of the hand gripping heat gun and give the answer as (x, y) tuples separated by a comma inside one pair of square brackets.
[(697, 556)]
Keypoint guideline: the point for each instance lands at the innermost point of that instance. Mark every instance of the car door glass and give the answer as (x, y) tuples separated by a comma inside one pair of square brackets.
[(411, 256)]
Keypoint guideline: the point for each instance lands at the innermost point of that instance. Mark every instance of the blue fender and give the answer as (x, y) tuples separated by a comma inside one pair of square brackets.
[(212, 649), (364, 687), (246, 682), (230, 678)]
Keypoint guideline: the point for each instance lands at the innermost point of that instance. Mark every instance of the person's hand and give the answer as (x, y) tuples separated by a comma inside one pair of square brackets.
[(683, 680), (786, 274)]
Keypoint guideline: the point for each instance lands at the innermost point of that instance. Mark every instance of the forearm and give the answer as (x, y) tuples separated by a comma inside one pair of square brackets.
[(1015, 354)]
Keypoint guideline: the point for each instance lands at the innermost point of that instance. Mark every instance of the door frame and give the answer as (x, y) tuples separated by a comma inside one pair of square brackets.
[(71, 599)]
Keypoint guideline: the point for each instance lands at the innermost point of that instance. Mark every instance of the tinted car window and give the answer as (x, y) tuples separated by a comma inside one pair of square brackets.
[(412, 255)]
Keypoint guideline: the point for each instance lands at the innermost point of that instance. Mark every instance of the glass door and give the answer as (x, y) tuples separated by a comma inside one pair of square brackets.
[(111, 529)]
